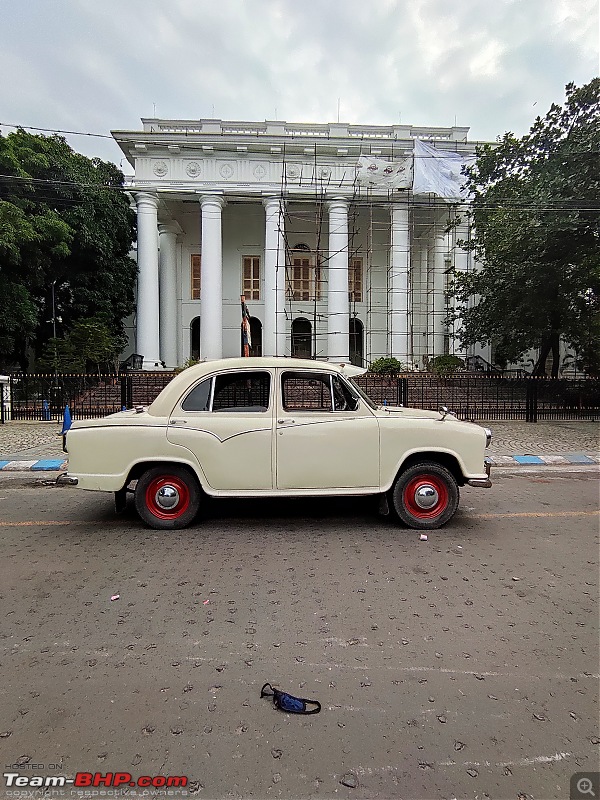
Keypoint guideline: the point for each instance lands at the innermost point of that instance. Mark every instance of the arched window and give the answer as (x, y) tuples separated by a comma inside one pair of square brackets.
[(356, 342), (195, 338), (301, 338)]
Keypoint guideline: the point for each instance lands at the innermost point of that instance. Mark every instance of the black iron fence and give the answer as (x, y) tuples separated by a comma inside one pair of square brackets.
[(497, 397), (44, 397), (468, 395)]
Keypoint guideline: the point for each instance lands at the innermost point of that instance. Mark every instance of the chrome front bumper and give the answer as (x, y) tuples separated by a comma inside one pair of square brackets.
[(483, 483)]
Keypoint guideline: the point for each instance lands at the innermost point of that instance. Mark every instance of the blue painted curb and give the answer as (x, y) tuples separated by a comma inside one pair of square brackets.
[(39, 465)]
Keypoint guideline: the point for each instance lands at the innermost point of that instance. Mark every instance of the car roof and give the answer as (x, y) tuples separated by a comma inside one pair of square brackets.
[(164, 403)]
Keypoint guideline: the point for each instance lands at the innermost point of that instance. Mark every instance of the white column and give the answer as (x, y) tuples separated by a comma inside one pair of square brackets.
[(167, 282), (274, 261), (462, 262), (419, 301), (147, 336), (438, 296), (400, 261), (338, 306), (211, 278)]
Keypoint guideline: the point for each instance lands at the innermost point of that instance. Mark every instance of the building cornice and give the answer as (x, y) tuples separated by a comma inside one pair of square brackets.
[(283, 140)]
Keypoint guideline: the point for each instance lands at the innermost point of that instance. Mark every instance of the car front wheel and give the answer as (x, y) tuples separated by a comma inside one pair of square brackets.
[(425, 496), (167, 498)]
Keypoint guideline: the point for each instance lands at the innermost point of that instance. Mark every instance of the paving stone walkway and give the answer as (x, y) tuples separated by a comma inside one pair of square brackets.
[(38, 445)]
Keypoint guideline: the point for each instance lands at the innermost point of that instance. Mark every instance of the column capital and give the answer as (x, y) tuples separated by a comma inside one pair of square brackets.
[(146, 199), (338, 203), (399, 205), (212, 199), (170, 226), (273, 200)]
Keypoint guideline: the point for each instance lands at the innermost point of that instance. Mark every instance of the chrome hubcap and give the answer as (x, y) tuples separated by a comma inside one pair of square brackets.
[(167, 497), (426, 497)]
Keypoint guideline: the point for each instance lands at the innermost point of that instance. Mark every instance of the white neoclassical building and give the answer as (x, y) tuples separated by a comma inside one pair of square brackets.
[(337, 235)]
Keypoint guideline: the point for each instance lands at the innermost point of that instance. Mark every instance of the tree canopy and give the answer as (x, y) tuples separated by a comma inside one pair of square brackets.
[(66, 230), (535, 221)]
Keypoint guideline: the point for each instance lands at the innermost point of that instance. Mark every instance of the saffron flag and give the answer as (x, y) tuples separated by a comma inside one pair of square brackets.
[(246, 337)]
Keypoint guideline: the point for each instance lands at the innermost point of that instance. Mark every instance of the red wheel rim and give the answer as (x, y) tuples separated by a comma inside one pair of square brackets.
[(424, 482), (169, 484)]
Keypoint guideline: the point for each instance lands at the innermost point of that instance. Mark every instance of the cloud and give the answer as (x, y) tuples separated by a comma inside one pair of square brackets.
[(84, 65)]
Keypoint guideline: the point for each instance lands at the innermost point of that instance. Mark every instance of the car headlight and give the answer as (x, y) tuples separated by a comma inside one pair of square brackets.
[(488, 437)]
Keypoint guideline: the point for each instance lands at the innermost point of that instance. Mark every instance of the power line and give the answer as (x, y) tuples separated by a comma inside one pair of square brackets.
[(56, 130)]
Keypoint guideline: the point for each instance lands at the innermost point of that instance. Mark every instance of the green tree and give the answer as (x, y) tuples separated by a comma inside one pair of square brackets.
[(66, 230), (89, 343), (536, 238)]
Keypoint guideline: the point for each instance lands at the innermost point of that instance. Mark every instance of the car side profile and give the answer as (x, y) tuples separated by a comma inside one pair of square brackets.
[(262, 427)]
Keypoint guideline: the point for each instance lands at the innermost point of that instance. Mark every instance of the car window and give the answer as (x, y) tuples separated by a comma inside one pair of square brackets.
[(343, 397), (199, 398), (306, 391), (242, 392)]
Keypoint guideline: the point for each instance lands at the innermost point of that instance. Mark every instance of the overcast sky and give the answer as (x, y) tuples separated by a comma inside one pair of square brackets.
[(100, 65)]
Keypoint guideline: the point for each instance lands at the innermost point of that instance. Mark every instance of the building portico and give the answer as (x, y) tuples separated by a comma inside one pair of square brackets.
[(332, 265)]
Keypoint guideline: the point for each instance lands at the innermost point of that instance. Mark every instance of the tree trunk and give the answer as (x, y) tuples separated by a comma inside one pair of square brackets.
[(555, 346), (540, 367), (550, 344)]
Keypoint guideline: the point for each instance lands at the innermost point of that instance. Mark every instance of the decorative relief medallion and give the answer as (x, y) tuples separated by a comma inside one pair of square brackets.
[(226, 171), (324, 172), (292, 171), (160, 168), (193, 169), (259, 172)]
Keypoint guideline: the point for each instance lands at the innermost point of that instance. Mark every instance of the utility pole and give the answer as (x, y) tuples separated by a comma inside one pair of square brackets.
[(54, 331)]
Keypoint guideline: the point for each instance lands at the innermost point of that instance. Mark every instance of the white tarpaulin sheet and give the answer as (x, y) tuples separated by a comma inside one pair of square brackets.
[(440, 172), (375, 172)]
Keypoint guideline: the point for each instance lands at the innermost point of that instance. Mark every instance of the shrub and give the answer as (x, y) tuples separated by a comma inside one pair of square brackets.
[(386, 366), (446, 365)]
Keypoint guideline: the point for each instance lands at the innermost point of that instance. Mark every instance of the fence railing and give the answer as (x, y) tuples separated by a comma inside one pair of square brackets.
[(469, 396)]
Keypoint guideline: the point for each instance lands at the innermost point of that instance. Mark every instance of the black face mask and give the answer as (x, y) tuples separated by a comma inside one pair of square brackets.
[(289, 703)]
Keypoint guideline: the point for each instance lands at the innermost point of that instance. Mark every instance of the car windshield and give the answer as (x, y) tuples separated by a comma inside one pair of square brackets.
[(360, 392)]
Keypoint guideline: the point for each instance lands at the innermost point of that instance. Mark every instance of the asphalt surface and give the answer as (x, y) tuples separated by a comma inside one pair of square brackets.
[(464, 666)]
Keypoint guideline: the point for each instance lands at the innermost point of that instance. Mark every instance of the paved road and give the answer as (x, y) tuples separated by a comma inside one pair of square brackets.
[(464, 666)]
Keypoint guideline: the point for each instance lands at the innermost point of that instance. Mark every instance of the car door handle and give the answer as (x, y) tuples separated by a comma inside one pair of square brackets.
[(285, 421)]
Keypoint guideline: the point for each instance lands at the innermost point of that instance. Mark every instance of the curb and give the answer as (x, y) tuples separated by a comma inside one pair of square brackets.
[(39, 465), (580, 459), (531, 460)]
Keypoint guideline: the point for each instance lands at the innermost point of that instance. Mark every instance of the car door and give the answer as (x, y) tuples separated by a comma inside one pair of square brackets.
[(326, 436), (226, 420)]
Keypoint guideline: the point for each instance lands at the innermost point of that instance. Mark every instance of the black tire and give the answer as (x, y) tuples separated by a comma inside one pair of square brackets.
[(438, 486), (181, 490)]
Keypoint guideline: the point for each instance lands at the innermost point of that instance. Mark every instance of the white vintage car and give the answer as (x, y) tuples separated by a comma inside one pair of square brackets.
[(261, 427)]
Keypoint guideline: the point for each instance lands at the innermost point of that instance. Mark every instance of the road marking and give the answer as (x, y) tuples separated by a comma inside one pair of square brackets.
[(522, 762), (533, 514), (539, 514)]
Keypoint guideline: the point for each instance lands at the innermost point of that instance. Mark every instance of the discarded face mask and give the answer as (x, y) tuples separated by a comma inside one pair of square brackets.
[(287, 702)]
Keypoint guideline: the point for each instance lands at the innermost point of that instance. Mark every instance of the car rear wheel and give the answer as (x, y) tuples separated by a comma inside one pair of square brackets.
[(167, 498), (425, 496)]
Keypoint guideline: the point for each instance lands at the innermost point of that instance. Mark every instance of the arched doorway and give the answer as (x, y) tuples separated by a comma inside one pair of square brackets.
[(256, 336), (301, 338), (356, 353), (195, 339)]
